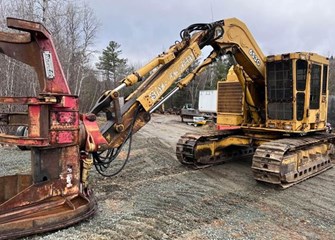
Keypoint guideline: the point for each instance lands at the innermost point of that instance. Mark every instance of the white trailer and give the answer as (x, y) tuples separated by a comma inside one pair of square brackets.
[(208, 101)]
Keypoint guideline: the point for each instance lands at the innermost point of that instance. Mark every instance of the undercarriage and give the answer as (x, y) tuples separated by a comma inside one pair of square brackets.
[(284, 161)]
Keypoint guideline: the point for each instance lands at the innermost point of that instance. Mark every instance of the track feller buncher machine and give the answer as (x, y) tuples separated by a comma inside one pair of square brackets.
[(274, 108)]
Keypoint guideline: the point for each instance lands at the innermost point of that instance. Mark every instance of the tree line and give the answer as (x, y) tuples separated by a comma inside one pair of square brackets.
[(114, 68), (331, 99), (74, 27)]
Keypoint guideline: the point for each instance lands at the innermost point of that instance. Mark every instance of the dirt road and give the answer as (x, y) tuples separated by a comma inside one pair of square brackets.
[(155, 197)]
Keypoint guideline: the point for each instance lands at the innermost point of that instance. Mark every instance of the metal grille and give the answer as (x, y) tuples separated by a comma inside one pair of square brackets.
[(280, 90), (300, 105), (230, 97)]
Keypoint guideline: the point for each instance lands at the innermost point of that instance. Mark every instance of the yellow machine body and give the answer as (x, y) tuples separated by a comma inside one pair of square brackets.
[(295, 96)]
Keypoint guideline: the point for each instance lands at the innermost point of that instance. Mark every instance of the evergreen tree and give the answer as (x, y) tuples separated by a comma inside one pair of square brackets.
[(220, 70), (112, 65)]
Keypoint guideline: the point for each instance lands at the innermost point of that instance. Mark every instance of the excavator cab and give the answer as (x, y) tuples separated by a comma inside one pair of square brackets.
[(296, 92), (294, 99)]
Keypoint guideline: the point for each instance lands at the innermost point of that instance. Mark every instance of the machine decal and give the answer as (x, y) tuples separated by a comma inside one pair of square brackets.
[(255, 57), (183, 65), (48, 65), (160, 89)]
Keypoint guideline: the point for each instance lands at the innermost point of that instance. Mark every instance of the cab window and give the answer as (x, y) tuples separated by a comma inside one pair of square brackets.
[(315, 86)]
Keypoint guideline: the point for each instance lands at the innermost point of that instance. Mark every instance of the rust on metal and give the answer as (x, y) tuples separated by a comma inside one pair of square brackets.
[(18, 100), (30, 53), (53, 196), (15, 37), (16, 140), (94, 140)]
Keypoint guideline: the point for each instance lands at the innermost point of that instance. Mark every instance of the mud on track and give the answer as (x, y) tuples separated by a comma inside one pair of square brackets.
[(155, 197)]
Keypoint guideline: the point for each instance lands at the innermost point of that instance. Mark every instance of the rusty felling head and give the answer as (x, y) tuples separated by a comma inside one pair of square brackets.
[(15, 37), (28, 26)]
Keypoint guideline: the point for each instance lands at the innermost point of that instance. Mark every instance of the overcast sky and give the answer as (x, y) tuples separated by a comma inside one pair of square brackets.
[(145, 28)]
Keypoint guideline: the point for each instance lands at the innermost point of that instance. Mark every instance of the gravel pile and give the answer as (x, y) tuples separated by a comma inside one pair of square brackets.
[(157, 198)]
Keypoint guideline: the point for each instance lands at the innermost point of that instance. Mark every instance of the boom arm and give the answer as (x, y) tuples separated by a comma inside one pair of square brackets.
[(238, 39), (226, 36)]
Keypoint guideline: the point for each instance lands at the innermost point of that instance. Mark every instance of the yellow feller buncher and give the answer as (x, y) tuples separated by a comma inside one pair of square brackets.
[(272, 108)]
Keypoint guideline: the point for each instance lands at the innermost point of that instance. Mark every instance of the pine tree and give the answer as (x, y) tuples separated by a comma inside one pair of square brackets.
[(112, 65)]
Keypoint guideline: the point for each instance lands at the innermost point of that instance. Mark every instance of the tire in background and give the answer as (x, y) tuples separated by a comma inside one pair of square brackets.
[(22, 131)]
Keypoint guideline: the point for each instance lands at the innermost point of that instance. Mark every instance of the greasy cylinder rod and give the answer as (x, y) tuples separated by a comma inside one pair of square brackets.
[(118, 88), (176, 89), (186, 80)]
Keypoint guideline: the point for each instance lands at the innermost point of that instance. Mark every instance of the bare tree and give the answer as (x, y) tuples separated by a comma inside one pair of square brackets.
[(73, 26)]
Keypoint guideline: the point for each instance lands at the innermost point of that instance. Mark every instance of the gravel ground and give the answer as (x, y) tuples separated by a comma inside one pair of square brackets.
[(155, 197)]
